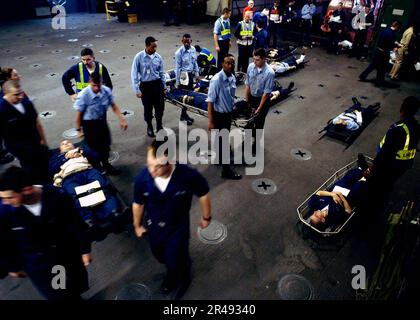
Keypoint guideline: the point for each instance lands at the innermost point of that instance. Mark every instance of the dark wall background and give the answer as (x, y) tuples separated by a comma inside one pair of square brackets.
[(25, 9)]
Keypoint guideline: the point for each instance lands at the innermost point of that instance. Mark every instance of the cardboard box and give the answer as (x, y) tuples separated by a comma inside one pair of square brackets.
[(132, 18)]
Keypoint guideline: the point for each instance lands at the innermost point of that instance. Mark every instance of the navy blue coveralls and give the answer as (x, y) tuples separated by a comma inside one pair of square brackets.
[(22, 138), (167, 218), (35, 244), (82, 78)]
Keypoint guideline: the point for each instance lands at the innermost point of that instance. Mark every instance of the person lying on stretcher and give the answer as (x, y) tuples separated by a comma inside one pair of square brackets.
[(198, 99), (287, 64), (84, 183), (352, 118), (332, 208)]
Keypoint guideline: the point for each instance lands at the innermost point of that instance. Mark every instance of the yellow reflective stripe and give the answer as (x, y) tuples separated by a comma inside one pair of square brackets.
[(224, 31), (382, 142), (82, 76), (208, 56), (246, 32), (81, 86), (407, 132), (406, 154)]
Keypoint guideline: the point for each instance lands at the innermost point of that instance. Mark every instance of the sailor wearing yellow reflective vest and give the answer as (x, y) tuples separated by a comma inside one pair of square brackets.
[(245, 34), (221, 36), (397, 149), (81, 72), (204, 59)]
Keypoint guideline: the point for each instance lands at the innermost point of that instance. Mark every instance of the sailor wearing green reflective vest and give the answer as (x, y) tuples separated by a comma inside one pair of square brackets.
[(204, 59), (245, 34), (81, 72), (221, 36), (397, 149)]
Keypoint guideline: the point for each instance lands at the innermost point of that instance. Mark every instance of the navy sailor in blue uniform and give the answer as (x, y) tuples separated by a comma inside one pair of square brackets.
[(163, 194)]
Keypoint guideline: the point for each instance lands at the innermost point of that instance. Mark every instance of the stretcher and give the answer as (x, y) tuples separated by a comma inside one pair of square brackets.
[(348, 136), (279, 54), (114, 222), (304, 211), (242, 113), (203, 84)]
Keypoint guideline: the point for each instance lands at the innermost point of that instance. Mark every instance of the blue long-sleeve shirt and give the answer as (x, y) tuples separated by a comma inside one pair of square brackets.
[(146, 68), (258, 16), (185, 61), (308, 11)]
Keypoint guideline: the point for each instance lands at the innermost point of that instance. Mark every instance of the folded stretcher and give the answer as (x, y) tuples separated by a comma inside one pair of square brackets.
[(304, 211)]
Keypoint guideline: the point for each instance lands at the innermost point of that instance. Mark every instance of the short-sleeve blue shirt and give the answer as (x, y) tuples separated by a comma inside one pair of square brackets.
[(167, 211), (94, 106)]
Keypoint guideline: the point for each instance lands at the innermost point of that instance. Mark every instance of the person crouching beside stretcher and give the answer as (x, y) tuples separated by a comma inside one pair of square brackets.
[(330, 209), (85, 184)]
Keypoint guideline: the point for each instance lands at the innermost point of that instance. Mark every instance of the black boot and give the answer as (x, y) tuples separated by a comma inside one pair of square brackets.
[(361, 162), (229, 173), (159, 125), (185, 117), (150, 131), (110, 170)]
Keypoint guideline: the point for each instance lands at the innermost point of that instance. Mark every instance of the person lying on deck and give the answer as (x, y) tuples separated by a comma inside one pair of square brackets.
[(287, 64), (198, 99)]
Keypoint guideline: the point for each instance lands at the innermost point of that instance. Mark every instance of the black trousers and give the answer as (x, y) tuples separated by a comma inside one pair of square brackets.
[(380, 63), (244, 52), (335, 36), (76, 280), (259, 120), (273, 32), (173, 252), (359, 43), (222, 121), (98, 138), (306, 28), (32, 157), (171, 11), (224, 50), (153, 98)]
